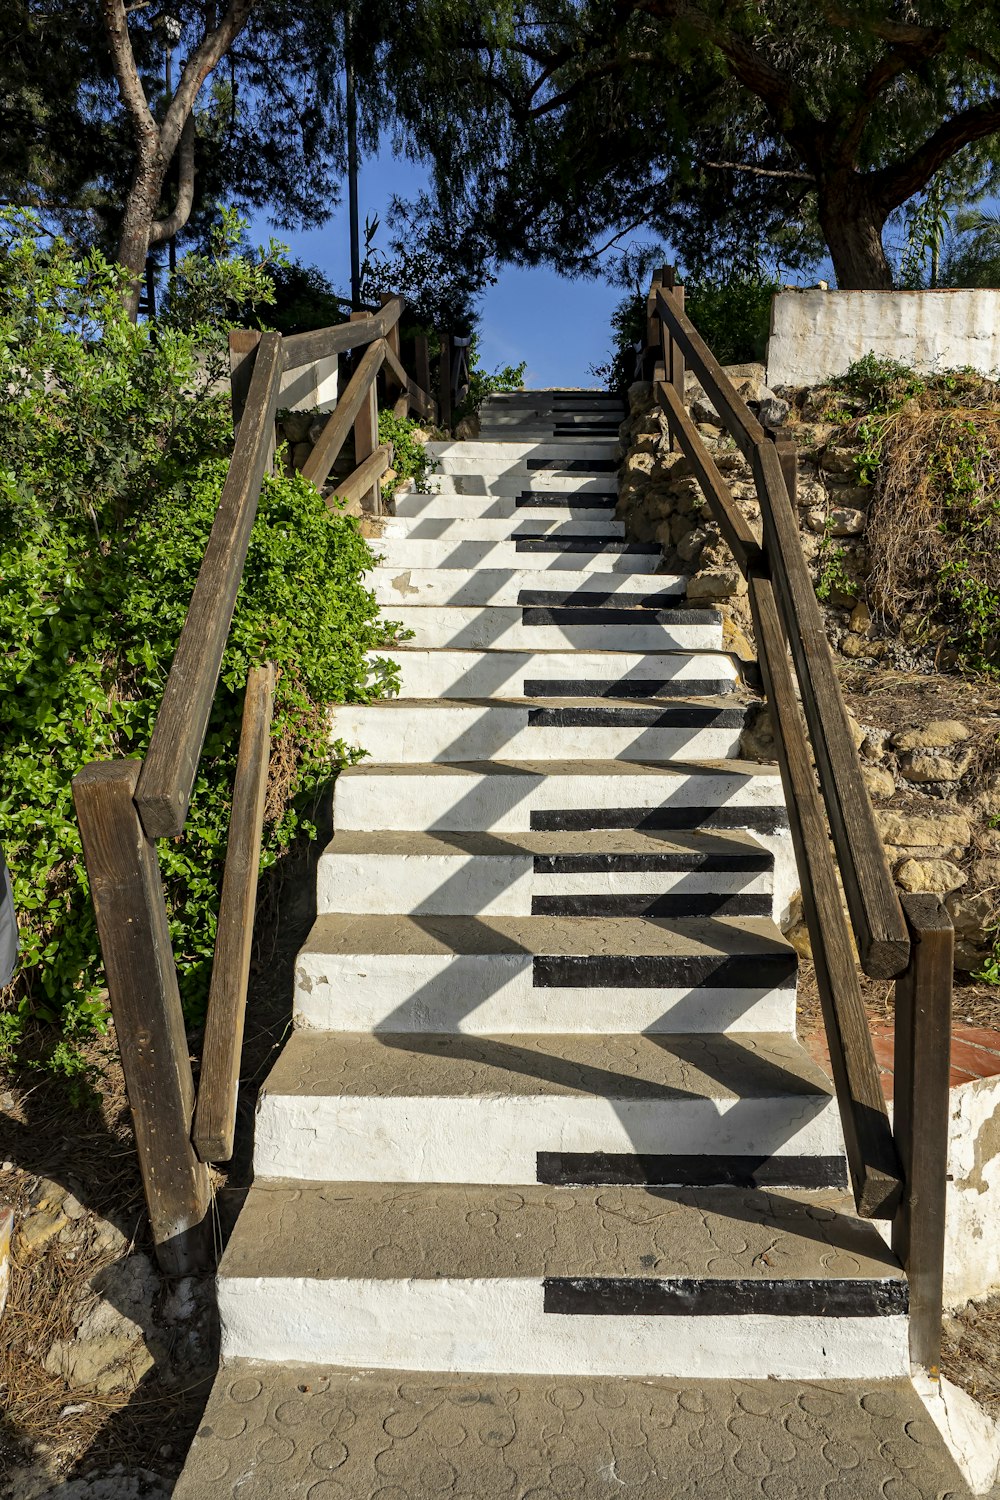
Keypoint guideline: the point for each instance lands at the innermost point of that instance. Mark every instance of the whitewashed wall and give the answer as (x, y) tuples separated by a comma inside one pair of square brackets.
[(313, 385), (972, 1235), (815, 335)]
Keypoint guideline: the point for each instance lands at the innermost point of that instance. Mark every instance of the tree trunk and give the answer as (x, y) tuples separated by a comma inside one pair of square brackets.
[(852, 221), (137, 223)]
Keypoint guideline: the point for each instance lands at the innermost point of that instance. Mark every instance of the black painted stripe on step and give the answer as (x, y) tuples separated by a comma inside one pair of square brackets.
[(585, 544), (691, 1296), (650, 971), (625, 687), (572, 465), (612, 1169), (581, 615), (529, 499), (599, 595), (671, 716), (659, 819), (674, 861), (637, 904)]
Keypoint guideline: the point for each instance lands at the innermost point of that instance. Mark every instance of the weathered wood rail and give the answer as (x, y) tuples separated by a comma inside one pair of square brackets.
[(899, 1170), (124, 806)]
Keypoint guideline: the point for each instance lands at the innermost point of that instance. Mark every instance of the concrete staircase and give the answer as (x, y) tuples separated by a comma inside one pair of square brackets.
[(549, 1200)]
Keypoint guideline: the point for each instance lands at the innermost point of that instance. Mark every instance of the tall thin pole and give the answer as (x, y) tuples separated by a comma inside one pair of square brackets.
[(169, 80), (352, 161)]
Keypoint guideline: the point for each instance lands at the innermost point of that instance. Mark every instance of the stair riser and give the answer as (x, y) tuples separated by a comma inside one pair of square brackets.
[(499, 885), (499, 508), (471, 674), (497, 1140), (506, 528), (475, 456), (403, 735), (484, 487), (497, 586), (502, 1326), (496, 995), (504, 628), (495, 802), (415, 552)]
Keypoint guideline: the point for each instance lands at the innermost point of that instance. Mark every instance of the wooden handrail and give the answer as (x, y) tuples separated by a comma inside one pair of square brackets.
[(305, 348), (341, 419), (367, 474), (876, 914), (166, 781), (215, 1114), (871, 1153)]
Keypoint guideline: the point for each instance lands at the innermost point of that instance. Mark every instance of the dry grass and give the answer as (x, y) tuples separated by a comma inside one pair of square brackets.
[(970, 1354)]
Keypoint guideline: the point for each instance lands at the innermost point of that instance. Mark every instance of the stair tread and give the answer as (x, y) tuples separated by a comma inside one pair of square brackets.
[(542, 769), (736, 1066), (683, 848), (709, 703), (426, 1231), (429, 1436), (534, 936)]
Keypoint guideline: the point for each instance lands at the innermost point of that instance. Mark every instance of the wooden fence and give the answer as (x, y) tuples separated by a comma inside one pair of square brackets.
[(899, 1170), (124, 806)]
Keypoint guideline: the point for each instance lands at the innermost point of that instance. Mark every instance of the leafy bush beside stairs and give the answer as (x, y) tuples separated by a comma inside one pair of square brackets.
[(113, 452)]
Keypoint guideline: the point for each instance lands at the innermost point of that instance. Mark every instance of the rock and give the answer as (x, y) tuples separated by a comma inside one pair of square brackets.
[(936, 734), (113, 1362), (296, 424), (880, 782), (639, 463), (984, 875), (772, 411), (752, 370), (301, 454), (467, 429), (709, 429), (702, 409), (923, 831), (861, 619), (974, 914), (855, 646), (735, 639), (640, 397), (873, 745), (106, 1239), (920, 766), (857, 495), (837, 460), (41, 1226), (816, 520), (46, 1193), (841, 520), (6, 1231), (721, 584), (929, 875), (316, 427), (968, 957), (757, 738), (689, 546), (72, 1207)]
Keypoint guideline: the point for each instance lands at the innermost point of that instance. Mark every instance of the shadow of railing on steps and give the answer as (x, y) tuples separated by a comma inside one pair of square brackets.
[(899, 1170)]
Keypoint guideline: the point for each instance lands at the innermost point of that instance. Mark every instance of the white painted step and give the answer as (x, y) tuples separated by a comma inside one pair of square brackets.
[(567, 1282), (551, 554), (432, 528), (474, 454), (484, 485), (526, 975), (489, 874), (395, 586), (504, 797), (540, 628), (436, 729), (555, 796), (416, 1107), (529, 674)]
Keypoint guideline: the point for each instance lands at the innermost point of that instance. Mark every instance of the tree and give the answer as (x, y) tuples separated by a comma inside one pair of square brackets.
[(156, 142), (574, 118)]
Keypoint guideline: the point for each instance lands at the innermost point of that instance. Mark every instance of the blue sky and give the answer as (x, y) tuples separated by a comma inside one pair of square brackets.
[(560, 326)]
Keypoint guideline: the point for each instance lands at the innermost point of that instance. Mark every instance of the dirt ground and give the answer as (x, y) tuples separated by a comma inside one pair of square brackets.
[(50, 1431)]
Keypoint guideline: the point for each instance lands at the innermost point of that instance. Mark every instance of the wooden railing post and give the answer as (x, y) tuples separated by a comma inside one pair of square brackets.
[(142, 985), (395, 388), (422, 362), (788, 458), (654, 335), (922, 1070), (444, 381), (366, 437), (242, 348)]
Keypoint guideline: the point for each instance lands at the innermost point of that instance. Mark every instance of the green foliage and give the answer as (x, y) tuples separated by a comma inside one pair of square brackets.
[(930, 450), (732, 315), (112, 458), (628, 330), (410, 459), (304, 299), (483, 383)]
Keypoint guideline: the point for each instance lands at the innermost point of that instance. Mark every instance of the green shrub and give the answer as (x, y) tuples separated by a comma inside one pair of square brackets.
[(732, 316), (410, 459), (112, 457)]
